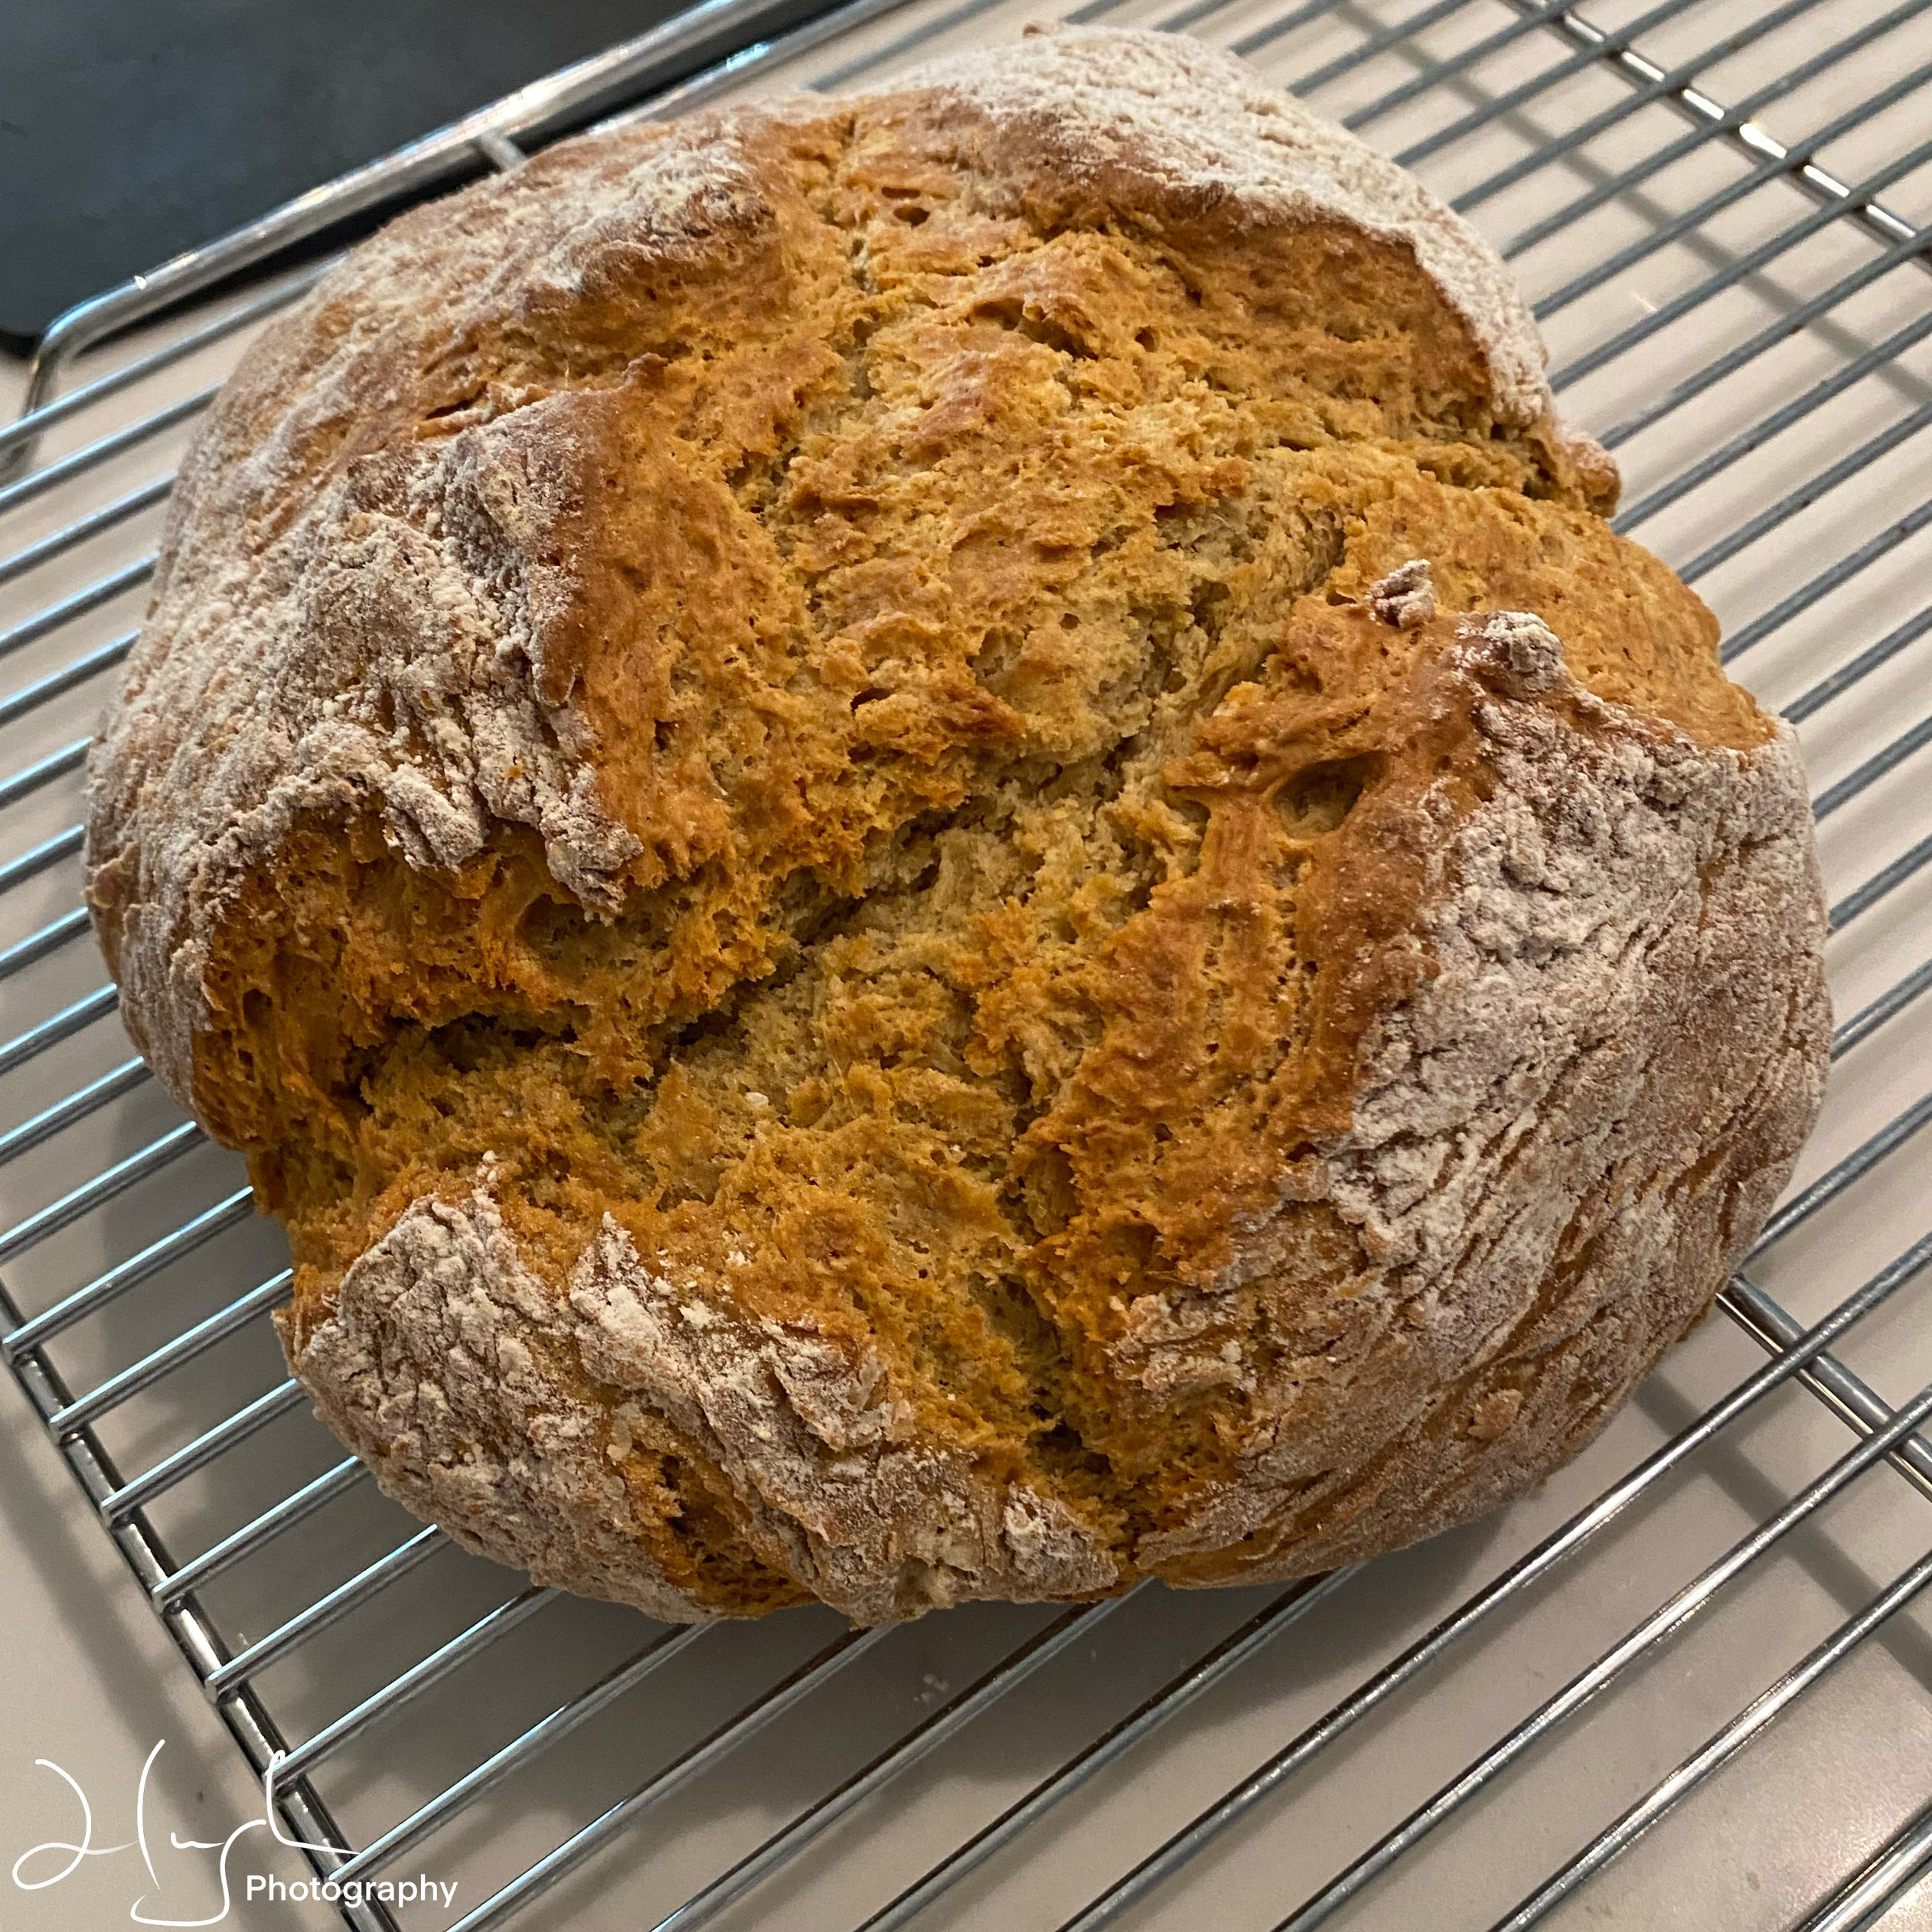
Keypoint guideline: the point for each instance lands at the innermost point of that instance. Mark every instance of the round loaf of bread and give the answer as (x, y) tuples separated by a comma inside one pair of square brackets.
[(933, 849)]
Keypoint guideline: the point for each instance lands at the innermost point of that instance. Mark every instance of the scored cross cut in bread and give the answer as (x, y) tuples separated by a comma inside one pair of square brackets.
[(870, 813)]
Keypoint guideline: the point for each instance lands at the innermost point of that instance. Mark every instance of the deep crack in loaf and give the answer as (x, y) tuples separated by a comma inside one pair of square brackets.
[(870, 813)]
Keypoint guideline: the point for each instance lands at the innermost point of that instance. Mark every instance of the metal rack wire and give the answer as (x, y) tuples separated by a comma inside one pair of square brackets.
[(1743, 317)]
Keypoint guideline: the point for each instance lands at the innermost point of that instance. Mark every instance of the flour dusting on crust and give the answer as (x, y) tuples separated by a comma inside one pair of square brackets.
[(1406, 598), (840, 1490), (433, 1366), (1171, 109), (333, 632), (1527, 1193)]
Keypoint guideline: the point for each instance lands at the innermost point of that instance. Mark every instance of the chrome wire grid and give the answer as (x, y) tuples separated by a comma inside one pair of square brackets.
[(1711, 1625)]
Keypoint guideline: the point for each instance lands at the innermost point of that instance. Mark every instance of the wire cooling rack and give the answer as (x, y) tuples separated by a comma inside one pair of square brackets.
[(1688, 1683)]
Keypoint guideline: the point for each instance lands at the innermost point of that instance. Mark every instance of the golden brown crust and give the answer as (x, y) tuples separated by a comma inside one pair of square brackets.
[(845, 801)]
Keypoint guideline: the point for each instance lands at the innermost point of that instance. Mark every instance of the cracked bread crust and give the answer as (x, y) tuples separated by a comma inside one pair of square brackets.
[(870, 813), (841, 1493)]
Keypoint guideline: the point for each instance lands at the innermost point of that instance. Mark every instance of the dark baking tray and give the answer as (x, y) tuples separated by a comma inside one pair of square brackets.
[(132, 129)]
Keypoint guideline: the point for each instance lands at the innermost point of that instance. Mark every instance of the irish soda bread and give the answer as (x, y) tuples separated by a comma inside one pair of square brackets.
[(934, 851)]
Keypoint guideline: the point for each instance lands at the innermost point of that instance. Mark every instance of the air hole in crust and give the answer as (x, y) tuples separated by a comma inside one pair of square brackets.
[(461, 406), (1010, 313), (1318, 799)]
